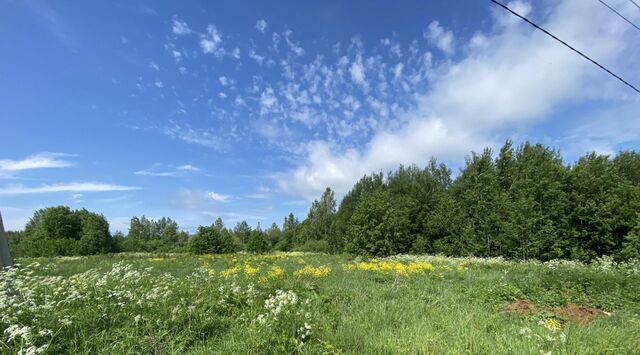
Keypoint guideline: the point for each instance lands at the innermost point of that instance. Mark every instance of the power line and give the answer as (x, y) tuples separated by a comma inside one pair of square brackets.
[(566, 44), (633, 2), (619, 14)]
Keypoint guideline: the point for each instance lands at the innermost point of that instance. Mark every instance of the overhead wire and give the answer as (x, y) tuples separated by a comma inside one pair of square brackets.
[(634, 88)]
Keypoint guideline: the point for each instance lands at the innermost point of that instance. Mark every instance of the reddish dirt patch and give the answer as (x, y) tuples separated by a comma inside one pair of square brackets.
[(573, 312), (582, 315), (521, 306)]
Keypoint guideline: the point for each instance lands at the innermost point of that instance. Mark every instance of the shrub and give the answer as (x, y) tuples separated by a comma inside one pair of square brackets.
[(211, 240)]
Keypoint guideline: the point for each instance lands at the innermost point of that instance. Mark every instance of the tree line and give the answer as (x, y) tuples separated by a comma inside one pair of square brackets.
[(521, 203)]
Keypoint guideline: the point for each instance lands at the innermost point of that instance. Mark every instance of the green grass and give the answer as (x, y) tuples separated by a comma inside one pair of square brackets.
[(213, 304)]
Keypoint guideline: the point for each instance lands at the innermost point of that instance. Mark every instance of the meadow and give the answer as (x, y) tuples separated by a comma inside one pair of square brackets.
[(317, 304)]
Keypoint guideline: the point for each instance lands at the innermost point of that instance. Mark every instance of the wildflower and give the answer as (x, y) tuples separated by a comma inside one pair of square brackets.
[(319, 271), (230, 271), (250, 271), (552, 324), (45, 332), (275, 272), (523, 331)]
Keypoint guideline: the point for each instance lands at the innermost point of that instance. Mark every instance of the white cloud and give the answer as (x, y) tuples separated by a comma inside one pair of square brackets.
[(357, 72), (261, 25), (180, 27), (187, 134), (43, 160), (268, 101), (210, 41), (508, 79), (294, 47), (440, 37), (196, 199), (156, 173), (188, 167), (262, 192), (255, 56), (64, 187), (218, 197), (154, 66)]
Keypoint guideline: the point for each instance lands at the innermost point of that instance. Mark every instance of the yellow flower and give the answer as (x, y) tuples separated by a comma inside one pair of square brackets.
[(155, 259), (250, 271), (552, 324), (275, 272), (230, 271), (319, 271), (391, 267)]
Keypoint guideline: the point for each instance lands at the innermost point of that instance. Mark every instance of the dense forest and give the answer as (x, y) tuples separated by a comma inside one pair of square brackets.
[(521, 203)]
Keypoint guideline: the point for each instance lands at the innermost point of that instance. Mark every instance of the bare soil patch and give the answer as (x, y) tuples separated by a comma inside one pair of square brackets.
[(572, 312)]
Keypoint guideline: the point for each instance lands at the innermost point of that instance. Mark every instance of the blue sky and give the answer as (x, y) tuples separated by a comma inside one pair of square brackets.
[(249, 109)]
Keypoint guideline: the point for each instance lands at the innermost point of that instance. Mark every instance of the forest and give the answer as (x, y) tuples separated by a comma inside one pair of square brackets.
[(521, 202)]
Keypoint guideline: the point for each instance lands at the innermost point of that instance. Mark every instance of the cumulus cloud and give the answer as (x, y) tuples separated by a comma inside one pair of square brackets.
[(440, 37), (261, 25), (64, 187), (508, 78)]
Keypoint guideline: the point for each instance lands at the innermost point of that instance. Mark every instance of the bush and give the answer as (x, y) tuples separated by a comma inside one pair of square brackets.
[(211, 240), (60, 231)]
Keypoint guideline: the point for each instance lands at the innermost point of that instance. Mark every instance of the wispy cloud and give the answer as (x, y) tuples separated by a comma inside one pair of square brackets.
[(53, 22), (76, 187), (156, 173), (218, 197), (159, 170), (188, 167), (196, 199), (43, 160), (190, 135), (262, 192)]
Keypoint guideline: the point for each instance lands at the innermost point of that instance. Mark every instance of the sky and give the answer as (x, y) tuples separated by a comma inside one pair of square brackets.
[(248, 110)]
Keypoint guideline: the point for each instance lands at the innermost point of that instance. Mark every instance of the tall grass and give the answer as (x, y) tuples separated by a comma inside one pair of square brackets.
[(313, 303)]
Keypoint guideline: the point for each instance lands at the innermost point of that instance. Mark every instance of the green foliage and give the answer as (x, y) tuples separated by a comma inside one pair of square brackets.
[(147, 235), (211, 240), (320, 219), (631, 244), (258, 242), (524, 203), (61, 231), (379, 226)]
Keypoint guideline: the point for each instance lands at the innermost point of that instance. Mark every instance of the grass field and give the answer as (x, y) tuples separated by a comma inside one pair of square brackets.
[(313, 303)]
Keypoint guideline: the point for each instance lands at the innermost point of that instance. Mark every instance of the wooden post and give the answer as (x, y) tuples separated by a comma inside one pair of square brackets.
[(5, 256)]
